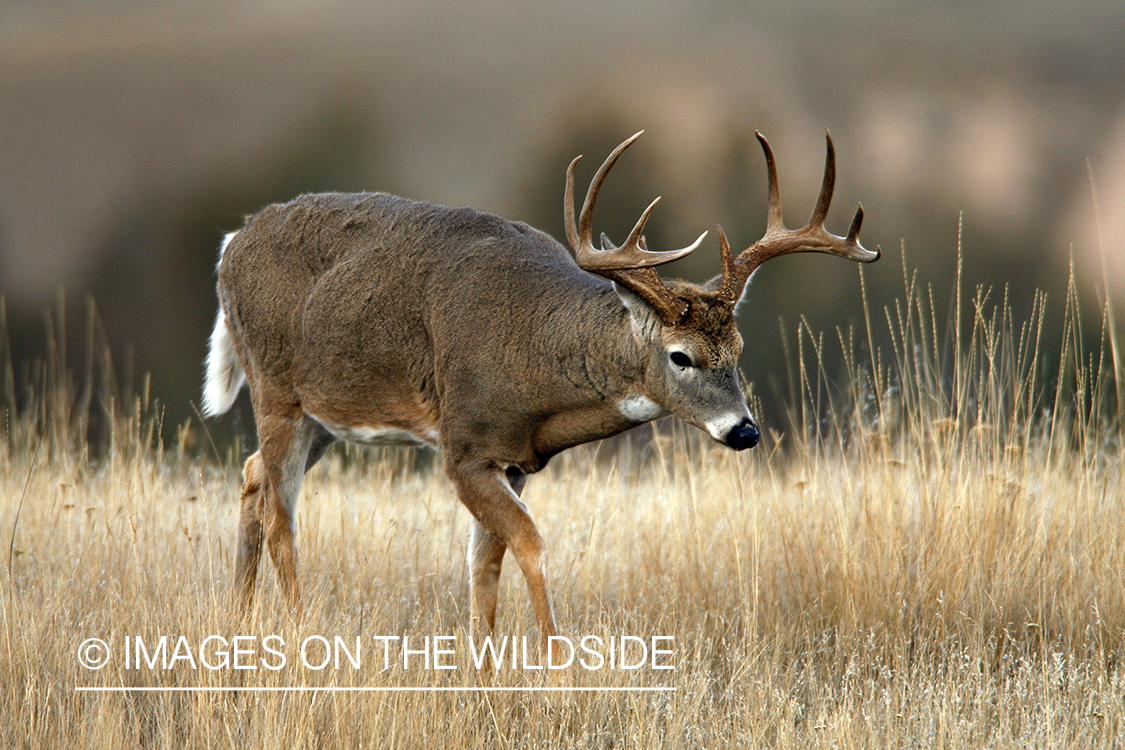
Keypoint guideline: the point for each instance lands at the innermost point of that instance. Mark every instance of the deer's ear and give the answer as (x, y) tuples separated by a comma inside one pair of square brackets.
[(645, 318)]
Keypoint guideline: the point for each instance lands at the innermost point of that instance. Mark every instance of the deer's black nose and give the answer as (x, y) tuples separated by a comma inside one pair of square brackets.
[(744, 435)]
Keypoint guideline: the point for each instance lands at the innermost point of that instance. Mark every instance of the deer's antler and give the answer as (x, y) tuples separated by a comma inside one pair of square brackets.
[(630, 264), (811, 238)]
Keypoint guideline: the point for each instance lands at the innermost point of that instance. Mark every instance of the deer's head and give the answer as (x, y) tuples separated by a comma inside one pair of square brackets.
[(686, 332)]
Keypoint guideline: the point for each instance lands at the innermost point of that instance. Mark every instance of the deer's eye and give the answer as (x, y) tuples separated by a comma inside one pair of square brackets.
[(679, 359)]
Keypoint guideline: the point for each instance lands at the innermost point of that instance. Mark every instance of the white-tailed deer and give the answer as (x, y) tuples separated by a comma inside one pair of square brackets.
[(381, 320)]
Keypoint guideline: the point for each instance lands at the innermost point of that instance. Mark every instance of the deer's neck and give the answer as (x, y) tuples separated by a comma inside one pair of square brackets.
[(598, 377), (599, 354)]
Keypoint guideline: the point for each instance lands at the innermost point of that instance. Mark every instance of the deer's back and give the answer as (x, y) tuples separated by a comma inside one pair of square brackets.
[(344, 298)]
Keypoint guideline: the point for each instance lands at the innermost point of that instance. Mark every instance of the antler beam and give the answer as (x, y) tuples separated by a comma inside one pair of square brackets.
[(811, 238)]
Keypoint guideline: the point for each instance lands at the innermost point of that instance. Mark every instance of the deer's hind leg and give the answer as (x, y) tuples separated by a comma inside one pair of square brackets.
[(249, 532), (272, 481)]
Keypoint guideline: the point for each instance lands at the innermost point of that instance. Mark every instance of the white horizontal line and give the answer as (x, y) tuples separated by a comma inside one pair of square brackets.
[(469, 689)]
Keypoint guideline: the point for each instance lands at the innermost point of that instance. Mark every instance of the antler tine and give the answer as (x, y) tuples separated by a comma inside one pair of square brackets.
[(820, 210), (635, 236), (774, 222), (645, 257), (586, 218), (724, 250), (853, 230), (568, 206), (730, 271)]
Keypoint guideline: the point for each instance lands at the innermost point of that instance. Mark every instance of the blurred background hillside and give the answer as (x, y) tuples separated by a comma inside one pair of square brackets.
[(135, 134)]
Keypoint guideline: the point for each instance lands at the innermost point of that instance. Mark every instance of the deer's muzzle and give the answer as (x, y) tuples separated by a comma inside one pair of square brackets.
[(743, 435)]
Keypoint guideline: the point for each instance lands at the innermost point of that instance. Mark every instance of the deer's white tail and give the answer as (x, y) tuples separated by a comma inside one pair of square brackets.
[(224, 372)]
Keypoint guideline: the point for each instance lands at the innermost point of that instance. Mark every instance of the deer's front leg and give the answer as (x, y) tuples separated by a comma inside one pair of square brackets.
[(505, 523), (486, 554)]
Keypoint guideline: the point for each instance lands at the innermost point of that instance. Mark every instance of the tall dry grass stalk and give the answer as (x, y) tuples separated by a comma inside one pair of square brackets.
[(932, 556)]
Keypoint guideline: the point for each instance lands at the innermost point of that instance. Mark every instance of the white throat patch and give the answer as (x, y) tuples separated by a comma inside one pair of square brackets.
[(641, 409)]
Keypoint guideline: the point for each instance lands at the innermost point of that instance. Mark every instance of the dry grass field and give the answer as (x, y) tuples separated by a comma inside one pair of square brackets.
[(935, 559)]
